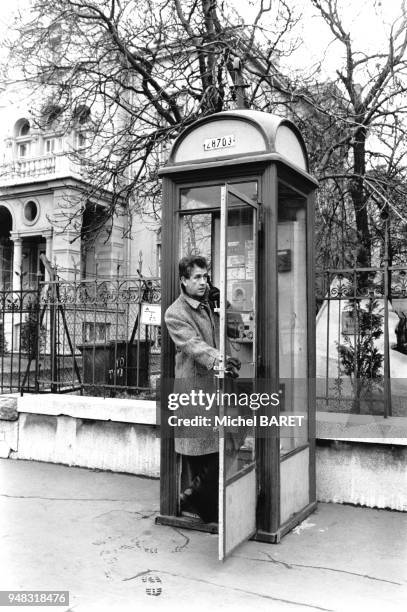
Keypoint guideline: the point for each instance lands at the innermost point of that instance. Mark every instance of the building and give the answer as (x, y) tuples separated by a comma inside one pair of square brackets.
[(41, 211)]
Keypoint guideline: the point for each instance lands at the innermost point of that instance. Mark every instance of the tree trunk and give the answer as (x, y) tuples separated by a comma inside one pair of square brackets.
[(359, 199)]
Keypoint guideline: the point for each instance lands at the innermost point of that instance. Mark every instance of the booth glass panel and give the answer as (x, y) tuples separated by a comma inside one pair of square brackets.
[(247, 189), (207, 196), (237, 479), (240, 329), (197, 233), (293, 316)]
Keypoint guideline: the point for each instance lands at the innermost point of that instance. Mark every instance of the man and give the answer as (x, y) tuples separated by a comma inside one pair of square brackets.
[(194, 328)]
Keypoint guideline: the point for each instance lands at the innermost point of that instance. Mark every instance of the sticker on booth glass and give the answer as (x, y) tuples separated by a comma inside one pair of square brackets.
[(221, 142), (150, 314)]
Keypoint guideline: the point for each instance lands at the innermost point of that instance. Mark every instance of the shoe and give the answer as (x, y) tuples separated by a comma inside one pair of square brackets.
[(186, 501), (200, 499)]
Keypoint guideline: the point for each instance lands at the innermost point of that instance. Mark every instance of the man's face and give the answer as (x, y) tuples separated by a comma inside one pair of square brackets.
[(195, 285)]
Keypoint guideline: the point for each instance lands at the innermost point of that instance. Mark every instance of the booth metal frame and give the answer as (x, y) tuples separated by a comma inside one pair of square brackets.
[(271, 169)]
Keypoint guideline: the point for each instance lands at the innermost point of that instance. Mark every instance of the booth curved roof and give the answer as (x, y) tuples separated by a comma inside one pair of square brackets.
[(237, 133)]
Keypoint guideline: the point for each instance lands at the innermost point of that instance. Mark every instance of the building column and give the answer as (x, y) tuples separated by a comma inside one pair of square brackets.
[(109, 253), (48, 251), (66, 241), (17, 263)]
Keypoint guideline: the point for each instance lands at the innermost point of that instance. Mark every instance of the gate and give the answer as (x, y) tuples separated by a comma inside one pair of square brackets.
[(18, 340), (81, 336)]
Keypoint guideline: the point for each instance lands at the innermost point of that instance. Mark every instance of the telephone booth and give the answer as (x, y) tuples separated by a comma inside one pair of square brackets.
[(236, 190)]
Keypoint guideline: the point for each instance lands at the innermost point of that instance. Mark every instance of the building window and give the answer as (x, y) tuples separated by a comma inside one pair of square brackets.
[(49, 145), (52, 145), (22, 135), (50, 115), (23, 149), (80, 140), (81, 114), (81, 117), (31, 211), (24, 128)]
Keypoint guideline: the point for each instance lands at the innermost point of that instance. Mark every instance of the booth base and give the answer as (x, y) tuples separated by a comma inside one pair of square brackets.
[(296, 519), (186, 522)]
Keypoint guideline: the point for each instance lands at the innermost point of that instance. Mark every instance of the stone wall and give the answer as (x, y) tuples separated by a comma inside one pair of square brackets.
[(360, 459), (106, 434)]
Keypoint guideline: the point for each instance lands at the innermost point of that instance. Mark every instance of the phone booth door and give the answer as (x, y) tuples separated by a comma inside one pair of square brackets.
[(219, 221), (238, 343)]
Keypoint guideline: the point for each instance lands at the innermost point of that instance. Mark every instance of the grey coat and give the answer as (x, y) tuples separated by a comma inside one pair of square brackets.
[(194, 329)]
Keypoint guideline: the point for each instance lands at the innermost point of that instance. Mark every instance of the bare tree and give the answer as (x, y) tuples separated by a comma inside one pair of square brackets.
[(355, 126), (147, 70), (129, 77)]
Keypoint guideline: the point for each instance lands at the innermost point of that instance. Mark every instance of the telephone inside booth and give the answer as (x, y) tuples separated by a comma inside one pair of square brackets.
[(236, 191)]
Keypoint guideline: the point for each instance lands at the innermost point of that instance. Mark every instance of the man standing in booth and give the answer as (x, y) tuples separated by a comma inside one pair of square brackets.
[(194, 328)]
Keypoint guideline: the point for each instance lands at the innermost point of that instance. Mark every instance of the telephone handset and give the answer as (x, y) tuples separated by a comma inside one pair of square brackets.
[(214, 295)]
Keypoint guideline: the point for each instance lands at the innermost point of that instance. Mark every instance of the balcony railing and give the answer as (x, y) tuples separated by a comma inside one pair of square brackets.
[(37, 168)]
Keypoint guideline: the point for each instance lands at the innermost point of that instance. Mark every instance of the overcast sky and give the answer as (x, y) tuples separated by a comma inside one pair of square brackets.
[(368, 22)]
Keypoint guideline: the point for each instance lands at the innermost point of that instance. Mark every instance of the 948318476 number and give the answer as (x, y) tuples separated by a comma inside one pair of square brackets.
[(34, 598)]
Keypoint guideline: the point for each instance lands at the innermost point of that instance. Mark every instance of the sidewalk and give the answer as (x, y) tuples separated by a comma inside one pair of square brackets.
[(93, 533)]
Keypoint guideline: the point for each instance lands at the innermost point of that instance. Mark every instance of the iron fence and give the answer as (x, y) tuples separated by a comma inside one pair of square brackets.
[(88, 337), (18, 315), (361, 335), (92, 337)]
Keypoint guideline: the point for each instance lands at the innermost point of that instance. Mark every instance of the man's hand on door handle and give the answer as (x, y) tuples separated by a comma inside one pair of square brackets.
[(233, 364)]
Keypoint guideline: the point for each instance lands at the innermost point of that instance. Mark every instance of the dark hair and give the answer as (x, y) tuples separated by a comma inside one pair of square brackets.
[(190, 261)]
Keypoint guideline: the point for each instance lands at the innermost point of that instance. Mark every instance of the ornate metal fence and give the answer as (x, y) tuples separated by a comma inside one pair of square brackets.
[(18, 345), (90, 337), (93, 337), (362, 340)]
